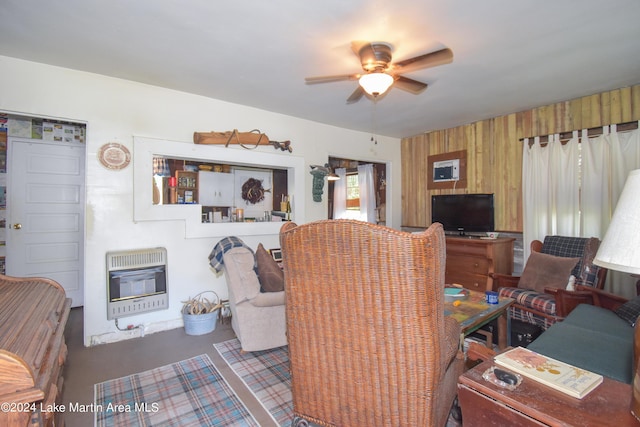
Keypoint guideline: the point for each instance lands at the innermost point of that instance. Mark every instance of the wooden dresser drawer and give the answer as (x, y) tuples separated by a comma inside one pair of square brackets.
[(476, 265), (474, 282), (465, 248)]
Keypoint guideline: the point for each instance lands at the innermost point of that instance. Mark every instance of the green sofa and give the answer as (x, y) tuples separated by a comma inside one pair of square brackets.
[(593, 338)]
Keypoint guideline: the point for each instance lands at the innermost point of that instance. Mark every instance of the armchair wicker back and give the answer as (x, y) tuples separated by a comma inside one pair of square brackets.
[(368, 340)]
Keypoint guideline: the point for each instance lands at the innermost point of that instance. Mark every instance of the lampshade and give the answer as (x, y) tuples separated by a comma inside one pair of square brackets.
[(620, 247), (333, 177), (375, 83)]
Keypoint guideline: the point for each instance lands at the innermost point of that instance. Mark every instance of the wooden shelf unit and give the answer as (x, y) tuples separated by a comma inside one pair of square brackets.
[(187, 181), (472, 260)]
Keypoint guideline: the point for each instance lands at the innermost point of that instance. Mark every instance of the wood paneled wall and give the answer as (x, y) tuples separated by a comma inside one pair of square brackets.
[(494, 151)]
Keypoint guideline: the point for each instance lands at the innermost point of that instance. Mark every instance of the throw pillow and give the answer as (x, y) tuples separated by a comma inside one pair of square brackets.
[(629, 311), (544, 270), (269, 272)]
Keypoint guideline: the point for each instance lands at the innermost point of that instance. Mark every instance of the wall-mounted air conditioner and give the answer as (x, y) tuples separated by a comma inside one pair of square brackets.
[(446, 170)]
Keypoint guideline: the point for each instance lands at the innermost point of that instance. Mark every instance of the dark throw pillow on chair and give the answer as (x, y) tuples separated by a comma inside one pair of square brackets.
[(544, 270), (269, 272), (629, 311)]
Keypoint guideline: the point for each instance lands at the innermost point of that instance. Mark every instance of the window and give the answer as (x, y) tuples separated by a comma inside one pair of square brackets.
[(345, 197), (353, 192)]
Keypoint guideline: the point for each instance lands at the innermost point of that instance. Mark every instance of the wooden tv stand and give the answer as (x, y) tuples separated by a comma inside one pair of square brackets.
[(472, 260)]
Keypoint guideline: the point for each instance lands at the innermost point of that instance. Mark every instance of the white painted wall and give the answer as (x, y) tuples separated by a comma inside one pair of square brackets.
[(115, 110)]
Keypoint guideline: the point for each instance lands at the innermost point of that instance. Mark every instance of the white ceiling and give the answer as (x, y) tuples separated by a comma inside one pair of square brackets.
[(509, 55)]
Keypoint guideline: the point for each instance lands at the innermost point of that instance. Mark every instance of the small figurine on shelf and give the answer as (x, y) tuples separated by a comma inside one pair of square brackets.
[(172, 190), (288, 211), (283, 203)]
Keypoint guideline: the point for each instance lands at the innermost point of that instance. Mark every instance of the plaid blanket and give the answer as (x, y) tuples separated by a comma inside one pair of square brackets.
[(215, 257)]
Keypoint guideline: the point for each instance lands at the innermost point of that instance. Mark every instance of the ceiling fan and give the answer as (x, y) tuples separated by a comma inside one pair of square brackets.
[(380, 73)]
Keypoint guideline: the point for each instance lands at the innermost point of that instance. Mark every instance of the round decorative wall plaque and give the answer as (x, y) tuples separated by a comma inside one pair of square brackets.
[(114, 156)]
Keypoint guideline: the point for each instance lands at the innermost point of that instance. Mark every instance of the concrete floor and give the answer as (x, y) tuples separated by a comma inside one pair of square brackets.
[(87, 366)]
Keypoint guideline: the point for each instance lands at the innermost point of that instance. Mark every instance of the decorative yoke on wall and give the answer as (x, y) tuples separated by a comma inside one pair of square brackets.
[(249, 140)]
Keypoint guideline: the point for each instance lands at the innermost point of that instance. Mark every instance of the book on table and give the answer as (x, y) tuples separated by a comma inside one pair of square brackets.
[(561, 376), (452, 294)]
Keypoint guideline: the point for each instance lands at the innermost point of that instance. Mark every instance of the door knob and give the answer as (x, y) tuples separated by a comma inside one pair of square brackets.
[(17, 226)]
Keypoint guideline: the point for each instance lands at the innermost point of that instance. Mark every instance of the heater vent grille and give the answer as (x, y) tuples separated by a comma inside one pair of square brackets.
[(136, 306), (136, 282), (136, 259)]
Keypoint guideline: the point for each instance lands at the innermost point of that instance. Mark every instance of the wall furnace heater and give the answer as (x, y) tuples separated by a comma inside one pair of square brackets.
[(136, 282)]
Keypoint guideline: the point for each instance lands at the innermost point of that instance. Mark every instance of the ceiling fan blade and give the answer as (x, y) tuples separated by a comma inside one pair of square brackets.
[(409, 85), (356, 95), (433, 59), (329, 79)]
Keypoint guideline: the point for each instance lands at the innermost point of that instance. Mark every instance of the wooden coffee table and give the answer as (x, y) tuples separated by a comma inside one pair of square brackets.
[(473, 313), (533, 404)]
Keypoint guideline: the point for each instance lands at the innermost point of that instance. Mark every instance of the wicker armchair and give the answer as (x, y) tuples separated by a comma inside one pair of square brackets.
[(369, 343)]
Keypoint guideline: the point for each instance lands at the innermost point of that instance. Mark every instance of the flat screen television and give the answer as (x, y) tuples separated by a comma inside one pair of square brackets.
[(463, 213)]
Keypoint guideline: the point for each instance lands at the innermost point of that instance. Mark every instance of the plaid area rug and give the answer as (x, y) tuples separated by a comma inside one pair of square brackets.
[(266, 374), (187, 393)]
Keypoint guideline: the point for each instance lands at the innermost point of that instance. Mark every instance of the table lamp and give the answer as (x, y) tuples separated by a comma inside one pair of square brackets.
[(620, 250)]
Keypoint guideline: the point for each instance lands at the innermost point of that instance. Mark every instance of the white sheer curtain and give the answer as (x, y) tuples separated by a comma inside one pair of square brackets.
[(367, 193), (551, 192), (340, 194), (366, 185), (597, 195), (606, 161), (572, 190)]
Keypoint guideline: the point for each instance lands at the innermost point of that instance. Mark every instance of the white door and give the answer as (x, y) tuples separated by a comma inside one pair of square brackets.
[(45, 213)]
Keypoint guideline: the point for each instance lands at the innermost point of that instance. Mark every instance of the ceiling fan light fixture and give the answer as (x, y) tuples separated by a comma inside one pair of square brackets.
[(375, 83)]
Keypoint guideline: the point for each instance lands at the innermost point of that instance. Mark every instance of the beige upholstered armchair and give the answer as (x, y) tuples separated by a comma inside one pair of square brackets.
[(369, 343), (257, 318)]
